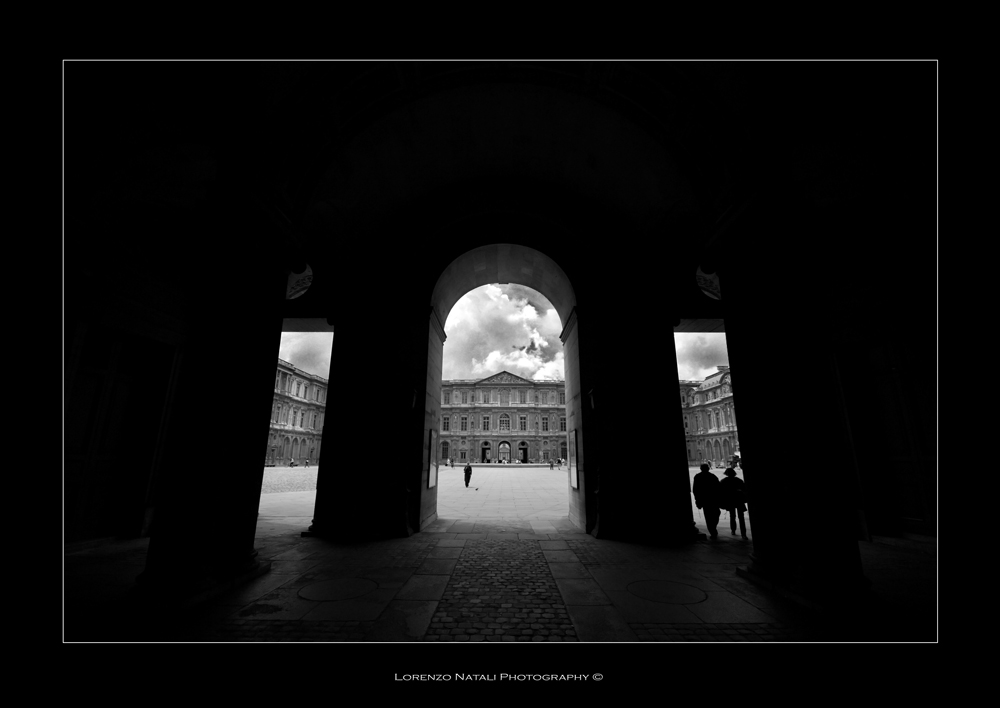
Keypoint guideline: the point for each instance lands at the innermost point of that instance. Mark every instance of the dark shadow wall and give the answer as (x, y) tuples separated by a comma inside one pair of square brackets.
[(188, 203)]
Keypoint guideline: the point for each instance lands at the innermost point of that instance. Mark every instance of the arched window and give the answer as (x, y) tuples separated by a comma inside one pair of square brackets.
[(504, 422)]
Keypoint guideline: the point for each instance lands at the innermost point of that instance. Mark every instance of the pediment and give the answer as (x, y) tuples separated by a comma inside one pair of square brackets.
[(504, 377)]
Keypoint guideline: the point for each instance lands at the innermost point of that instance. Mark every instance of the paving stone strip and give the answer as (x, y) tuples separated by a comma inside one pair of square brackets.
[(743, 632), (501, 591)]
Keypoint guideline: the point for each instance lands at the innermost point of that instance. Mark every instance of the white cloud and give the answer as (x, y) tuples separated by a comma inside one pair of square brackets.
[(699, 354), (309, 351), (499, 327), (554, 370)]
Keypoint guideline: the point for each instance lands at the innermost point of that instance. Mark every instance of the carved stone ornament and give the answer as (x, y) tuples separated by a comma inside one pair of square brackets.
[(298, 283), (504, 377), (708, 283)]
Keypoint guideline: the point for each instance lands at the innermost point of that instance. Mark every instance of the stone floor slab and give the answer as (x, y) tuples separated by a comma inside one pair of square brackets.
[(365, 608), (424, 587), (600, 624), (444, 553), (569, 570), (402, 621), (581, 591), (726, 607), (437, 566), (280, 604)]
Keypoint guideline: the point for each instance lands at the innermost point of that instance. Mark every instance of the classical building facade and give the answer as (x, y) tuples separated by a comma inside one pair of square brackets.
[(502, 418), (297, 414), (710, 419)]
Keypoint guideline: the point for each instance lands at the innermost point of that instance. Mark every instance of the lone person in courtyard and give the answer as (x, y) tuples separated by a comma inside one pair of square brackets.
[(733, 499), (706, 497), (468, 473)]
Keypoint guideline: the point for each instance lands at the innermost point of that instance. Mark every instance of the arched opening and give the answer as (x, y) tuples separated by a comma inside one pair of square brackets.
[(511, 263)]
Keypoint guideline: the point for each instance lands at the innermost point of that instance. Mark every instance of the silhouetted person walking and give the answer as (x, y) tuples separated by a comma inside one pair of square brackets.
[(733, 499), (706, 497), (468, 473)]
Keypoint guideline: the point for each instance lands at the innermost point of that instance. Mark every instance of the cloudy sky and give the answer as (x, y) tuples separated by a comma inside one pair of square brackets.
[(309, 351), (503, 327), (699, 354), (510, 327)]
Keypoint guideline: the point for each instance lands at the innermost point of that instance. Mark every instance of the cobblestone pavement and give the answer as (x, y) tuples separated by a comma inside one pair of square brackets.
[(289, 479), (501, 590)]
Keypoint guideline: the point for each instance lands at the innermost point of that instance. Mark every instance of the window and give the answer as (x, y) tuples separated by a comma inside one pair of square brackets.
[(562, 398), (545, 424), (445, 397), (562, 423), (522, 396), (444, 451), (505, 422), (505, 397), (486, 422), (446, 424), (522, 423), (465, 399), (465, 422), (298, 387)]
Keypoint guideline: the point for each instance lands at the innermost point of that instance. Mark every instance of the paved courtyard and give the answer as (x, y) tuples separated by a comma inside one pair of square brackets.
[(502, 563), (495, 492)]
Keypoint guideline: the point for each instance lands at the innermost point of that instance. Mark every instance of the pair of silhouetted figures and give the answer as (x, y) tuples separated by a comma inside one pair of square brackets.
[(711, 495)]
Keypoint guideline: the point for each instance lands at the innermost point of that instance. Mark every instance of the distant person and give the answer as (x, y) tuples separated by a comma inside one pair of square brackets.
[(733, 499), (468, 473), (552, 465), (307, 462), (453, 463), (706, 497)]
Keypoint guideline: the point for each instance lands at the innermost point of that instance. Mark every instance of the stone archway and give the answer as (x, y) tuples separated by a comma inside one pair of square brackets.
[(513, 263)]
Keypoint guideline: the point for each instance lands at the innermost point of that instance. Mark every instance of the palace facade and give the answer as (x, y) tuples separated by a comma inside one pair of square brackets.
[(710, 419), (296, 417), (502, 418)]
